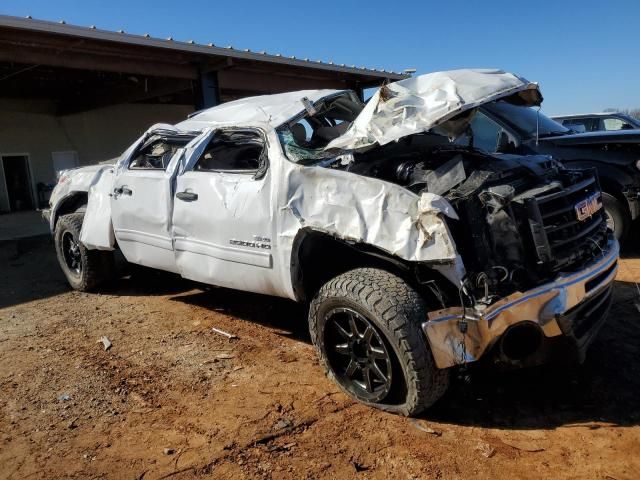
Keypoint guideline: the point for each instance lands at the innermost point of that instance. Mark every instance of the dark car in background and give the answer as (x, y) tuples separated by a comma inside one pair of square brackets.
[(594, 122), (506, 128)]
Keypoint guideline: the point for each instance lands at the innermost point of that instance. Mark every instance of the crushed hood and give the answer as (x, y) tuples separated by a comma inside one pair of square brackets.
[(418, 104)]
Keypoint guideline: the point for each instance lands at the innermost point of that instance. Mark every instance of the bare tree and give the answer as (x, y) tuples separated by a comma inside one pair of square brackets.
[(632, 112)]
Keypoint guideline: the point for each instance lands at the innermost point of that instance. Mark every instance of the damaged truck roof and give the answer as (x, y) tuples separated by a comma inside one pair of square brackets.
[(396, 110), (273, 109)]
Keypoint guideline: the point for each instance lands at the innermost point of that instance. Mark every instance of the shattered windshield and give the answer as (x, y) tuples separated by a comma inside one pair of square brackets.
[(303, 139), (526, 120), (300, 153)]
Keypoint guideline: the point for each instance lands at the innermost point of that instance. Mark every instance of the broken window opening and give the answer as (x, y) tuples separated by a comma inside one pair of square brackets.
[(157, 152), (234, 151)]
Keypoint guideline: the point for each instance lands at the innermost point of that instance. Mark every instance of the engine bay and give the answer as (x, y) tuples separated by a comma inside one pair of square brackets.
[(508, 232)]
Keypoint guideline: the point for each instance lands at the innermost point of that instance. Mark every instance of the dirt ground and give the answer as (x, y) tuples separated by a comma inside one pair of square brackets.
[(171, 398)]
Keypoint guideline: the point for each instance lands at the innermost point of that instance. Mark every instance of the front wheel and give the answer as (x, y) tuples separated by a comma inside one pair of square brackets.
[(617, 217), (85, 269), (365, 325)]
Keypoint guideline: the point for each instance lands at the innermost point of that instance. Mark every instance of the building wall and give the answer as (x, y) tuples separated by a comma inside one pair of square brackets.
[(30, 127)]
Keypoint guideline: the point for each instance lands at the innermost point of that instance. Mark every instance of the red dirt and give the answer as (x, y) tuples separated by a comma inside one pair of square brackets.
[(173, 399)]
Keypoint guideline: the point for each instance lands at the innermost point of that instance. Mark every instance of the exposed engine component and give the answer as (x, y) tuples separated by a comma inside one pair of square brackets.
[(517, 221)]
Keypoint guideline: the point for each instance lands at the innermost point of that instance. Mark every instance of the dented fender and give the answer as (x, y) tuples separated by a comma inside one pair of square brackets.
[(70, 184), (367, 210)]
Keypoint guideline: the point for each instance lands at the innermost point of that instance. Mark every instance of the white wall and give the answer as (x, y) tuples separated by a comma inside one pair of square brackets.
[(29, 126)]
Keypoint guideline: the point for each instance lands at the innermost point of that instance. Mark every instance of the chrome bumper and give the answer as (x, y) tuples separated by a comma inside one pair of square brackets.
[(542, 305), (46, 214)]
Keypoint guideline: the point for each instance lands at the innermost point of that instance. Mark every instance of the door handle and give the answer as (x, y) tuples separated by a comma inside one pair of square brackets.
[(123, 190), (187, 196)]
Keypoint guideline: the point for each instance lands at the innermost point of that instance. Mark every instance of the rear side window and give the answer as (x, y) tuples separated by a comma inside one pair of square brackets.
[(233, 151), (589, 124), (612, 123)]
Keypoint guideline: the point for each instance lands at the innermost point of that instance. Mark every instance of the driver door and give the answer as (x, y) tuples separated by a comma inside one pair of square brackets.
[(141, 202)]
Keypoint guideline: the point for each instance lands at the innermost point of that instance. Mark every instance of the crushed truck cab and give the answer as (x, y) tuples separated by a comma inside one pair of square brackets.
[(415, 253)]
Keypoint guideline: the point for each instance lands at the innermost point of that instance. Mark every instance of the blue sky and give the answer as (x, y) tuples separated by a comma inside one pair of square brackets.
[(585, 54)]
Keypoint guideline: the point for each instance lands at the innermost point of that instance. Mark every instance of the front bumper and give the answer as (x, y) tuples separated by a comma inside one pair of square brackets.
[(570, 306), (46, 214)]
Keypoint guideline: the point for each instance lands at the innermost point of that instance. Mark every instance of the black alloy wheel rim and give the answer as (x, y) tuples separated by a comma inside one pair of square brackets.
[(71, 253), (358, 355)]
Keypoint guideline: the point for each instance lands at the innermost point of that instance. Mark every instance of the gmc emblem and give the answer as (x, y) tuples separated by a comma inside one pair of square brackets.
[(586, 208)]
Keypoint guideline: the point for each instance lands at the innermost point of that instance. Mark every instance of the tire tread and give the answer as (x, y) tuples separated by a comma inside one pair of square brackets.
[(97, 266), (400, 310)]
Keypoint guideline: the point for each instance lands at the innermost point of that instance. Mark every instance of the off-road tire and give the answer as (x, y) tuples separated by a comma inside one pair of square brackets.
[(618, 214), (96, 266), (396, 311)]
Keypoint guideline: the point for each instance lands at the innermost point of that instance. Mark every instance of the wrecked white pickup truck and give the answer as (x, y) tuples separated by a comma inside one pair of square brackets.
[(416, 254)]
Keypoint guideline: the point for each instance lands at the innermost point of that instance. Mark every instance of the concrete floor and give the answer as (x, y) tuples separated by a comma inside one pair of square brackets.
[(22, 225)]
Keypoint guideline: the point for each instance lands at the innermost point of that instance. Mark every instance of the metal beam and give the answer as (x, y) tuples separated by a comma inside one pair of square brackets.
[(273, 83), (62, 29), (149, 88), (208, 91), (83, 61)]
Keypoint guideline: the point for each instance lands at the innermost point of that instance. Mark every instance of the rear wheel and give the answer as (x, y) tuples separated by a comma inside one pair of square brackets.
[(85, 269), (365, 325), (617, 217)]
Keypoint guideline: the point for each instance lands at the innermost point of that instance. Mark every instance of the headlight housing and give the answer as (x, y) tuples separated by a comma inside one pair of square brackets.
[(638, 164)]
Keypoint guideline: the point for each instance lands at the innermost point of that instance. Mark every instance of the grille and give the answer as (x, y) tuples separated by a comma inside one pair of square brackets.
[(580, 321), (560, 240)]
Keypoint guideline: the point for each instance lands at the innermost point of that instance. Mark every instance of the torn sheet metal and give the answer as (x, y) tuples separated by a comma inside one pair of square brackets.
[(542, 305), (97, 229), (420, 103), (367, 210)]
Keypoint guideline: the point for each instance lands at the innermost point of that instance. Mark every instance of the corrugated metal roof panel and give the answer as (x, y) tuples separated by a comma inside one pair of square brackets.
[(62, 28)]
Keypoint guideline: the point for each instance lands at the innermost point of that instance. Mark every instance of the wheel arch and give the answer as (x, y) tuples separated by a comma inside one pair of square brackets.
[(611, 177), (318, 256), (613, 181), (70, 203)]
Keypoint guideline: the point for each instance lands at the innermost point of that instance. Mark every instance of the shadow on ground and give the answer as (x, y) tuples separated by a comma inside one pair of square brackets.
[(286, 317), (604, 389), (29, 271)]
